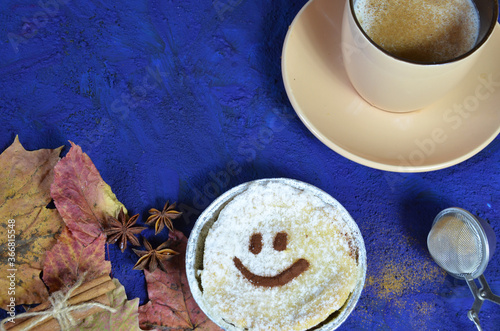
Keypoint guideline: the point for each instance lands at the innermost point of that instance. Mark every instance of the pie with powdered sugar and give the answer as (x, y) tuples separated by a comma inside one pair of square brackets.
[(278, 258)]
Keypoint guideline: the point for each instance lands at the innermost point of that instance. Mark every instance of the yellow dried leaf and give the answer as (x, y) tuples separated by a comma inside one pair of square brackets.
[(27, 226)]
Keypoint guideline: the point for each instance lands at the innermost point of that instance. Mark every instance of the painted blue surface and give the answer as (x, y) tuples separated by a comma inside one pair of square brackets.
[(182, 100)]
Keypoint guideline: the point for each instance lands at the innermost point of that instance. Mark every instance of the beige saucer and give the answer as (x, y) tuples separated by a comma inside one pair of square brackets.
[(452, 130)]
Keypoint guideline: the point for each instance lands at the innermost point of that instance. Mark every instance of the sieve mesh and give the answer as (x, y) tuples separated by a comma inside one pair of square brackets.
[(455, 244)]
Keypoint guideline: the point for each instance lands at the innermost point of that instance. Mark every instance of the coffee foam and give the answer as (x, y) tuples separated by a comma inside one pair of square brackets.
[(420, 30)]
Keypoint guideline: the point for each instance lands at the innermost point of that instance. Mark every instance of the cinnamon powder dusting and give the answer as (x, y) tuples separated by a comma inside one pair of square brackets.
[(353, 249), (401, 280), (255, 243), (281, 279), (279, 243)]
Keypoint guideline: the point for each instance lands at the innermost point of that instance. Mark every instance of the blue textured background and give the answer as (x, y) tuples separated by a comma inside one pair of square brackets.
[(182, 100)]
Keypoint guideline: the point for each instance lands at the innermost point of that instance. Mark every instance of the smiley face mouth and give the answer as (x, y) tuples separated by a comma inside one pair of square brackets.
[(284, 277)]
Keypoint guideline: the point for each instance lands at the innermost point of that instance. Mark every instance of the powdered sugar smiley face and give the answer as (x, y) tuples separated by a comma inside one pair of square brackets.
[(277, 258)]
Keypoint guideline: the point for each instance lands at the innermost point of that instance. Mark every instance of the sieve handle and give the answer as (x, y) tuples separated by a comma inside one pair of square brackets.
[(485, 291), (478, 302), (479, 296), (474, 318)]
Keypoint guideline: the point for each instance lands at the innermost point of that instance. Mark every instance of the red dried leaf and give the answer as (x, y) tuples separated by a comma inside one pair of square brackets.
[(25, 179), (81, 196), (171, 305), (69, 259)]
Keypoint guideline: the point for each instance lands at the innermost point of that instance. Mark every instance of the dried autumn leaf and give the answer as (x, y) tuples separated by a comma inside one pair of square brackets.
[(126, 318), (82, 197), (25, 179), (69, 259), (171, 305)]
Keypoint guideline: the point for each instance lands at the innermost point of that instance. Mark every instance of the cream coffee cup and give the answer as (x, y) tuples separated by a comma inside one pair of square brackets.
[(404, 80)]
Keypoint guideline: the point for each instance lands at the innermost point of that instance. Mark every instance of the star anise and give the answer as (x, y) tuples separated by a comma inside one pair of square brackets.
[(123, 230), (153, 258), (163, 218)]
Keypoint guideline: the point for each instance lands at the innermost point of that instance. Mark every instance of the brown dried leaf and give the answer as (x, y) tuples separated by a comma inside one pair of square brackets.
[(25, 179)]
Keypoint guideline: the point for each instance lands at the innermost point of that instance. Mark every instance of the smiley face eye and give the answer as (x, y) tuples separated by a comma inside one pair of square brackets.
[(280, 241), (255, 243)]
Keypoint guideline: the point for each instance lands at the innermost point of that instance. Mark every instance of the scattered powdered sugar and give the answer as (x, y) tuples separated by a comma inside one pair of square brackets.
[(315, 232)]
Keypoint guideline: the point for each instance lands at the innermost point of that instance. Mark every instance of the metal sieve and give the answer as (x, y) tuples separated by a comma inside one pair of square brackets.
[(462, 244)]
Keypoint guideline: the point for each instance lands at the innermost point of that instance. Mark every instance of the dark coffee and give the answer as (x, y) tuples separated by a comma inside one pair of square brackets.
[(420, 30)]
